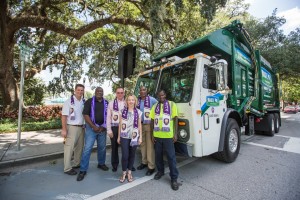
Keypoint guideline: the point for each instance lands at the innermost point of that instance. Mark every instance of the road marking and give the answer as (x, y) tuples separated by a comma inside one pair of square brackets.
[(72, 196), (292, 145), (136, 182)]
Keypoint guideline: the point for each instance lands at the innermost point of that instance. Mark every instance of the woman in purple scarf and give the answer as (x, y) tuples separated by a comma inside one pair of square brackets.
[(129, 135)]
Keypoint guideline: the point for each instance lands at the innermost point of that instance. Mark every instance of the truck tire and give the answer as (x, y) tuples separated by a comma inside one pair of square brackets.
[(271, 125), (232, 142), (277, 123)]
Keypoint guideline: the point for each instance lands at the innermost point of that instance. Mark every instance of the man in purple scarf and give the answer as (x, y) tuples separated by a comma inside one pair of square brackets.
[(94, 112), (164, 127), (145, 103)]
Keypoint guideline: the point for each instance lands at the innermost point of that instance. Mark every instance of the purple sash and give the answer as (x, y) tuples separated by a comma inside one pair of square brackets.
[(72, 113), (166, 117), (124, 127), (147, 108), (104, 111)]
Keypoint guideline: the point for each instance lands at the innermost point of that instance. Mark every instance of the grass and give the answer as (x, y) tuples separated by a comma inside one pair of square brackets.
[(9, 126)]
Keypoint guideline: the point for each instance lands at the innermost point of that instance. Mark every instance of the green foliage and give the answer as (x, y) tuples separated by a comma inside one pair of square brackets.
[(9, 126), (34, 91), (109, 97), (171, 23), (88, 95), (280, 50), (290, 90)]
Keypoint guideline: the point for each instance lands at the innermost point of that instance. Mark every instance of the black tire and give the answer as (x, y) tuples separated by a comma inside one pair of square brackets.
[(232, 142), (277, 122), (271, 125)]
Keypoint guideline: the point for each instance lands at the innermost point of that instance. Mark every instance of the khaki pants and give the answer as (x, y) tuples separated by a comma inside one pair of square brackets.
[(147, 147), (74, 142)]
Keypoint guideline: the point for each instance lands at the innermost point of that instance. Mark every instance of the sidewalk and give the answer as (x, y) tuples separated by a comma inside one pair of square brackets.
[(35, 145)]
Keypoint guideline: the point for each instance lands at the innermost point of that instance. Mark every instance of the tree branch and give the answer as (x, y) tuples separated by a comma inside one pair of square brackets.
[(42, 22)]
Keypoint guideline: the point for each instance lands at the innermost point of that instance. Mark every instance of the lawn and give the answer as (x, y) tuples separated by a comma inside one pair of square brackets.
[(9, 125)]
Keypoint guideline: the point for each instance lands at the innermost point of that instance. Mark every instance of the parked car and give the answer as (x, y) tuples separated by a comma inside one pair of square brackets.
[(298, 108), (290, 109)]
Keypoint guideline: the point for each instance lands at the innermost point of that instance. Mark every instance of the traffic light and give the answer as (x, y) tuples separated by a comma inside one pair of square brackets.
[(126, 61)]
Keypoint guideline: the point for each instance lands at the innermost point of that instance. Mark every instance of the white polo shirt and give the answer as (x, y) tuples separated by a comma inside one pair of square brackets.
[(78, 108)]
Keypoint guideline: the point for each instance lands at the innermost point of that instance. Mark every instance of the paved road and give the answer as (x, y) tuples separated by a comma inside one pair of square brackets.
[(267, 168)]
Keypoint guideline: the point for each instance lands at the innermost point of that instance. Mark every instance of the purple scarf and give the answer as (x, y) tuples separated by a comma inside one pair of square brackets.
[(147, 108), (125, 123), (104, 111), (166, 117), (115, 105), (72, 105)]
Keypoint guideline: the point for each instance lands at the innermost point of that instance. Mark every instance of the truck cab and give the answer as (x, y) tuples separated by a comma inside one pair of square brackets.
[(198, 86)]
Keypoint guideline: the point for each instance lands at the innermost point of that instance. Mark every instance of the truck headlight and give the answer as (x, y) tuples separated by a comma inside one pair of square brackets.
[(183, 133)]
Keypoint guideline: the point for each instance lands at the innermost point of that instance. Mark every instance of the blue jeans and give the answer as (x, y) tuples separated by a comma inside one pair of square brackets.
[(89, 140), (165, 145)]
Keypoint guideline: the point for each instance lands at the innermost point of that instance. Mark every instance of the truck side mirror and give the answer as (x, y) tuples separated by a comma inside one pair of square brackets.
[(126, 61)]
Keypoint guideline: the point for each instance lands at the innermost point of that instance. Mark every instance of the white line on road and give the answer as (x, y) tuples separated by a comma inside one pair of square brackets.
[(292, 145), (137, 182)]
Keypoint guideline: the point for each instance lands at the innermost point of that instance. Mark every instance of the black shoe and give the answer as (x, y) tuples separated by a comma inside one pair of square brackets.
[(150, 172), (133, 169), (174, 185), (81, 175), (103, 167), (71, 172), (76, 167), (158, 175), (141, 166), (114, 169)]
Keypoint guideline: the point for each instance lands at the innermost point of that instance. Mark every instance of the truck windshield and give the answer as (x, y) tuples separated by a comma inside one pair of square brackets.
[(178, 81), (149, 81)]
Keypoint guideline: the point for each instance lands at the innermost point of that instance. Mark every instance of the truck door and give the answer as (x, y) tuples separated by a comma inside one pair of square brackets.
[(212, 110)]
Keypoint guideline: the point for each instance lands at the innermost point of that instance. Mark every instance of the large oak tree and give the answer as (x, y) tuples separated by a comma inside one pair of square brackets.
[(41, 21)]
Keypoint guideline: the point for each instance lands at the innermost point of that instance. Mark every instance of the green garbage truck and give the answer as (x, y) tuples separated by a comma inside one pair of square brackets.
[(220, 84)]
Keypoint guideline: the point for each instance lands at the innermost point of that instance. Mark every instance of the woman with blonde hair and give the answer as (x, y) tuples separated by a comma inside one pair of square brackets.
[(130, 122)]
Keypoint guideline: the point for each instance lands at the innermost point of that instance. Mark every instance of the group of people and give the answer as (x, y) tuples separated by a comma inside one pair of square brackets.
[(129, 123)]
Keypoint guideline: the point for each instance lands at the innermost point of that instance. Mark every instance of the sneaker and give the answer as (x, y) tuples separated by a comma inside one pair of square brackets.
[(174, 185), (103, 167), (141, 166), (158, 175), (71, 172)]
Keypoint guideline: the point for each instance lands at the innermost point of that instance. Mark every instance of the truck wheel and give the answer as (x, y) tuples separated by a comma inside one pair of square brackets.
[(271, 125), (231, 143), (277, 123)]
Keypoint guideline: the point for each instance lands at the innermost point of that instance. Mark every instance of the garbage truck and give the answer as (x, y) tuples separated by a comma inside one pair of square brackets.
[(220, 84)]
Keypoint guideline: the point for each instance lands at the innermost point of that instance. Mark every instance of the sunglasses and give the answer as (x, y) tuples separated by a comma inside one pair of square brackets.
[(120, 92)]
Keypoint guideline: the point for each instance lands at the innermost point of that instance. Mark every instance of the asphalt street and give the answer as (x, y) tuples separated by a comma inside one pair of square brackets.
[(266, 168)]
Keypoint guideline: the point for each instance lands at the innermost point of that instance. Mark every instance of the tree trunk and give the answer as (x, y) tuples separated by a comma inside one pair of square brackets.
[(8, 85)]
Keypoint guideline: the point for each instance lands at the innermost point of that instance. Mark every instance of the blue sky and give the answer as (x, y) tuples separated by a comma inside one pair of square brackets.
[(289, 9)]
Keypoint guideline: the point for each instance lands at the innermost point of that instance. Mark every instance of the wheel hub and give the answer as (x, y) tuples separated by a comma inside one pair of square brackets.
[(233, 140)]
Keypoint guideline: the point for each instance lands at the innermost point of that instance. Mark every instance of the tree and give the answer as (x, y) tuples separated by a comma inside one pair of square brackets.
[(290, 90), (280, 50), (34, 91), (53, 27)]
